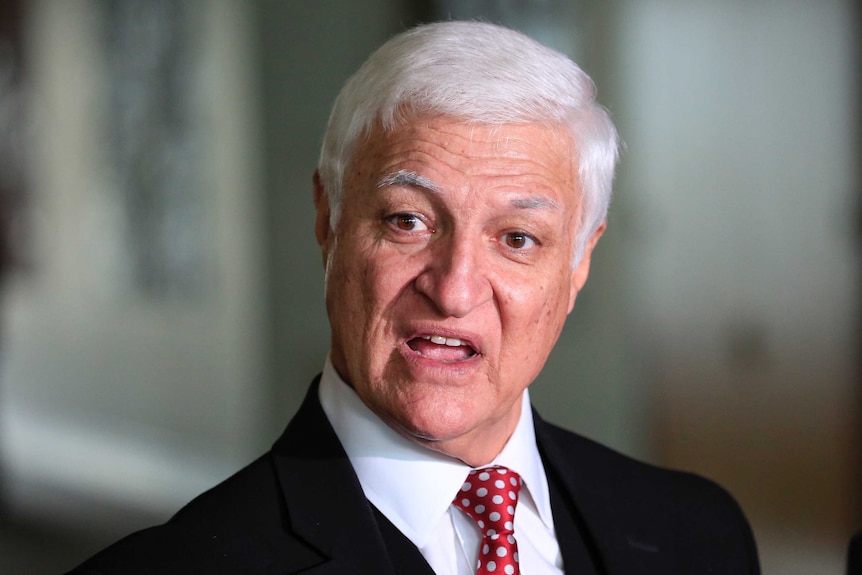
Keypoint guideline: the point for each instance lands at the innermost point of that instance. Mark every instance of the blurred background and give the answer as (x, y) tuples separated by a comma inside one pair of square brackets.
[(162, 308)]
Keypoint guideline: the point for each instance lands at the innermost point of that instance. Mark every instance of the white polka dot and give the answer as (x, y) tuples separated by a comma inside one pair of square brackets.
[(481, 492), (513, 481), (511, 510), (498, 499), (492, 533), (508, 570), (515, 556), (501, 551), (511, 539), (494, 516), (485, 549), (500, 484), (502, 471), (465, 502), (512, 495), (508, 526), (481, 524), (480, 509), (484, 476), (491, 566)]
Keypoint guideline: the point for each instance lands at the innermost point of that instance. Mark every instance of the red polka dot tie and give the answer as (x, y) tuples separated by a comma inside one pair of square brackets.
[(489, 497)]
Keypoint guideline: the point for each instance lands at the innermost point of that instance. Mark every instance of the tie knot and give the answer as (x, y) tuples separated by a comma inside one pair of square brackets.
[(489, 496)]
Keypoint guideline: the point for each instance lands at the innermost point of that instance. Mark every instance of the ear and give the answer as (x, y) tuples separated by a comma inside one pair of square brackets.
[(322, 231), (582, 271)]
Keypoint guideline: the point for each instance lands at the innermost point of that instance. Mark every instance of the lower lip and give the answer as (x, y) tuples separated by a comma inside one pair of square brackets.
[(415, 359)]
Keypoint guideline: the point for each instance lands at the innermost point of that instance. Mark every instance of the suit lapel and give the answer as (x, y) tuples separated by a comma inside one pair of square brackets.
[(405, 556), (620, 540), (325, 504), (578, 556)]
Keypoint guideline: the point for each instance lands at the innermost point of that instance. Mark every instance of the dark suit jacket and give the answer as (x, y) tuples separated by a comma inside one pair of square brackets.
[(854, 556), (300, 509)]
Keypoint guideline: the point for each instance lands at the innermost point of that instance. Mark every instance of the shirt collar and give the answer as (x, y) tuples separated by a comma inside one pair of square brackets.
[(411, 485)]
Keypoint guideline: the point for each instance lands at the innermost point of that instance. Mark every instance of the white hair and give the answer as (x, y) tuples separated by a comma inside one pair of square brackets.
[(481, 73)]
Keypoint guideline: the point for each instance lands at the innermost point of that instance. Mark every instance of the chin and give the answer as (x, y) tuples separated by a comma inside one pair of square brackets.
[(438, 423)]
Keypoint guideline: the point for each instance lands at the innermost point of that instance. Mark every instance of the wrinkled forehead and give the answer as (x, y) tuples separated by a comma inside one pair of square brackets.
[(548, 146)]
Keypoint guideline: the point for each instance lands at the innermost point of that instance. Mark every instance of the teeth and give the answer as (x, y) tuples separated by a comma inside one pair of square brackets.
[(440, 340)]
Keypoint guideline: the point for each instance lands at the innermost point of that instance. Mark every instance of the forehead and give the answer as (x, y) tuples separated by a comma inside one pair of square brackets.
[(443, 149)]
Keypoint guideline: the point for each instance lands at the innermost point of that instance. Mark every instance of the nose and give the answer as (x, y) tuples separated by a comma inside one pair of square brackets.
[(455, 278)]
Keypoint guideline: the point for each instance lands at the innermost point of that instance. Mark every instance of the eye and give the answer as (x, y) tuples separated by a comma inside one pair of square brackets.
[(407, 223), (519, 240)]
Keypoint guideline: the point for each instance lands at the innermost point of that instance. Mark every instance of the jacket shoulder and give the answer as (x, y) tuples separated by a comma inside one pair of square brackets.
[(613, 472), (629, 504), (238, 526)]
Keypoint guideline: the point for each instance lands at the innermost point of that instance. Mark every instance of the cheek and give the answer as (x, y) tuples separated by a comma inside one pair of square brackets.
[(372, 296), (533, 315), (346, 296), (392, 271), (383, 279), (558, 298)]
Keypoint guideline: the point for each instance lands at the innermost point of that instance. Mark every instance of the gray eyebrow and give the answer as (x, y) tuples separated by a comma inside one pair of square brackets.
[(538, 201), (409, 179)]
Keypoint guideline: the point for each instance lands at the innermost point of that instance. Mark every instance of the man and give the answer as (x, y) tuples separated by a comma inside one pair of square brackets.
[(463, 184)]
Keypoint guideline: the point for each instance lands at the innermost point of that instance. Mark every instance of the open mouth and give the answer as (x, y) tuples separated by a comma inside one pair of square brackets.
[(443, 349)]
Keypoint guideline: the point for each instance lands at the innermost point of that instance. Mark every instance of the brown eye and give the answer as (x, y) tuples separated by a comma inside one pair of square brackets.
[(406, 222), (518, 240)]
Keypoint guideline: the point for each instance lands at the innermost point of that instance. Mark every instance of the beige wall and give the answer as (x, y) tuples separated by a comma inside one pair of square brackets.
[(106, 389), (741, 176)]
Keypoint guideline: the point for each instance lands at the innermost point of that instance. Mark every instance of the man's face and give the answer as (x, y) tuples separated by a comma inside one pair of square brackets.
[(450, 275)]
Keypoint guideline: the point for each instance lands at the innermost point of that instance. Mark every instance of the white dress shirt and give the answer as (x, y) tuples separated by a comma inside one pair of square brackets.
[(414, 486)]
